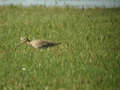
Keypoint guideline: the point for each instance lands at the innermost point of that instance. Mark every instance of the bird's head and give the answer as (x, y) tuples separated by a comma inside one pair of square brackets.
[(23, 40)]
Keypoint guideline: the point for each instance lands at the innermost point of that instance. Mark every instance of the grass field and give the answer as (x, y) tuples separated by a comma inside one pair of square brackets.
[(87, 59)]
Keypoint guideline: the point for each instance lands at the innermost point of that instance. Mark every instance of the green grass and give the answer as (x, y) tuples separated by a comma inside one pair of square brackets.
[(87, 59)]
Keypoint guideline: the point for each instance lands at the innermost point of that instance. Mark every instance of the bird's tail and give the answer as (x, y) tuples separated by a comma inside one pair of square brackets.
[(54, 43), (51, 44)]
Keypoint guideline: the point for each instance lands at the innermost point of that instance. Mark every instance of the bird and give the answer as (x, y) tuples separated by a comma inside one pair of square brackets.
[(39, 43)]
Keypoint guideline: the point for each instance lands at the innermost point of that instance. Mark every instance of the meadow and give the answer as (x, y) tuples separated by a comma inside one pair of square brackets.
[(88, 57)]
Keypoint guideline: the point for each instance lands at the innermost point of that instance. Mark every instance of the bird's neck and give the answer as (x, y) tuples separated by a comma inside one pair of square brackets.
[(28, 41)]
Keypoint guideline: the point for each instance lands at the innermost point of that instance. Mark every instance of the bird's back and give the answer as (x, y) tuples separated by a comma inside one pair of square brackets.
[(42, 43)]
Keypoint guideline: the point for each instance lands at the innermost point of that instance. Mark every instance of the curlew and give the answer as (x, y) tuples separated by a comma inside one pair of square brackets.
[(39, 43)]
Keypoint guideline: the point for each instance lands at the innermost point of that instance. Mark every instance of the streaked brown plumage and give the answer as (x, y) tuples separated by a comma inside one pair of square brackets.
[(39, 43)]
